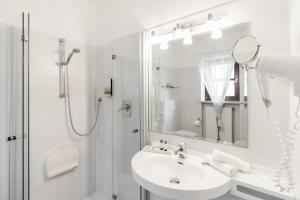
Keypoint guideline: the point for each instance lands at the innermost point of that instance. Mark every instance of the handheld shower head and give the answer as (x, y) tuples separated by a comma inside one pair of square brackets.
[(75, 50)]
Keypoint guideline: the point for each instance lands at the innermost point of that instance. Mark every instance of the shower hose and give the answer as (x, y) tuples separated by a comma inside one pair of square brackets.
[(68, 109), (284, 175)]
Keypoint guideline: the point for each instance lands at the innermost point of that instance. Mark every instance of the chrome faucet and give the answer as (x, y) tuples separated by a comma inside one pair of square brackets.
[(181, 150)]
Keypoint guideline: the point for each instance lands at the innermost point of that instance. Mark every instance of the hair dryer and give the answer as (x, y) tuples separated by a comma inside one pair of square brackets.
[(288, 67), (283, 66)]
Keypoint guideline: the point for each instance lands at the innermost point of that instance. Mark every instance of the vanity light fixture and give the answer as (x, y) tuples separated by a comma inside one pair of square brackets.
[(186, 30), (187, 40), (177, 31), (216, 34)]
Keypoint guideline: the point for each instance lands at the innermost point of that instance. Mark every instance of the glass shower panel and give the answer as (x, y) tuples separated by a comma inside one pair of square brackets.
[(5, 57), (127, 124), (12, 122)]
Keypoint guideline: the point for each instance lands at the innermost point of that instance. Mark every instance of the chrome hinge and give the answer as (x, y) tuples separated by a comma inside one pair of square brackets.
[(113, 57), (24, 38), (11, 138)]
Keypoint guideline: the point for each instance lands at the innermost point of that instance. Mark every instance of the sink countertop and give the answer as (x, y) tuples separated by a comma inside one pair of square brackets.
[(260, 178)]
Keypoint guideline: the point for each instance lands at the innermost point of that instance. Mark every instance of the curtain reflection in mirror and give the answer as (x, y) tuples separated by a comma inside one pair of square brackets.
[(216, 69)]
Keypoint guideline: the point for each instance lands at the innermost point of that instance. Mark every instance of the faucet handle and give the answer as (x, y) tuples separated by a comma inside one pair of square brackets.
[(181, 146)]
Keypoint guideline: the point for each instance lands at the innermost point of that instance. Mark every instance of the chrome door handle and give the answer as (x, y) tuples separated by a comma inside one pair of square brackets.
[(135, 131)]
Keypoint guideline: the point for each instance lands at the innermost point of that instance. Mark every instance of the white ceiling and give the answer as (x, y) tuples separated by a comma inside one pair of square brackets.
[(119, 18)]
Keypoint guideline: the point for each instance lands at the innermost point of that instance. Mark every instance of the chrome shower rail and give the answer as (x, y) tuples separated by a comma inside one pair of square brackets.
[(62, 70)]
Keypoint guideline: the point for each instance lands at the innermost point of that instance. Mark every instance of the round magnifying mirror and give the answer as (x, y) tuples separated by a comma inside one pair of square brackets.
[(245, 50)]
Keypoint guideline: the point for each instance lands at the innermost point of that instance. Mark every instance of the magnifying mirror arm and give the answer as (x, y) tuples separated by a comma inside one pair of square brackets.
[(247, 66)]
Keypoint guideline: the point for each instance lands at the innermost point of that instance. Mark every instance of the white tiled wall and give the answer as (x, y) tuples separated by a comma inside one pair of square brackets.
[(48, 122)]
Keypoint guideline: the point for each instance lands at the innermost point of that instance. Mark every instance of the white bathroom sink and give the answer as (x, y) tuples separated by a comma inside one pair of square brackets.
[(191, 180)]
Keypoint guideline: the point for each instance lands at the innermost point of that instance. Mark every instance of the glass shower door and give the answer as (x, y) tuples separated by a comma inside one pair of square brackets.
[(126, 111), (13, 68)]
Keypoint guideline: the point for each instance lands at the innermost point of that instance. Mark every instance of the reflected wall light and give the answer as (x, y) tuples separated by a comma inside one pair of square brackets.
[(214, 26), (164, 45), (186, 30), (187, 40)]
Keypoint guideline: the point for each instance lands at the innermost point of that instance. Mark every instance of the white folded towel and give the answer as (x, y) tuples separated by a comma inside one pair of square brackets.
[(231, 160), (220, 166)]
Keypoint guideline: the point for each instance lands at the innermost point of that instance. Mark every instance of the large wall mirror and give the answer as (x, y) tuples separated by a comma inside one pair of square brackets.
[(181, 104)]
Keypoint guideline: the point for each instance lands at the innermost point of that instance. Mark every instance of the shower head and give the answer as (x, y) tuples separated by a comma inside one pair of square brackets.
[(75, 50)]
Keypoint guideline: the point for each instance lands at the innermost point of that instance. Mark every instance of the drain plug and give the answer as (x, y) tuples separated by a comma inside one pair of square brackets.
[(174, 180)]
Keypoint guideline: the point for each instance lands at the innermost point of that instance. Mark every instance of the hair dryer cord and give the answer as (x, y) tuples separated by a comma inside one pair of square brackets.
[(284, 175)]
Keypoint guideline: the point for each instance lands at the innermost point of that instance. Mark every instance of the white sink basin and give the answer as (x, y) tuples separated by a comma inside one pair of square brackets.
[(193, 180)]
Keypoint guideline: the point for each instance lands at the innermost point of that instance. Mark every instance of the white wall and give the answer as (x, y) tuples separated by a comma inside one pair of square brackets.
[(49, 124), (72, 19), (295, 50)]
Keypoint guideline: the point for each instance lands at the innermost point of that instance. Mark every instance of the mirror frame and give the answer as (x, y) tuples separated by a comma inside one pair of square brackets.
[(147, 76), (253, 58)]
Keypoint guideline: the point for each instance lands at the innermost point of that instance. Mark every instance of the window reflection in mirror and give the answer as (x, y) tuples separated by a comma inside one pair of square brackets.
[(180, 102)]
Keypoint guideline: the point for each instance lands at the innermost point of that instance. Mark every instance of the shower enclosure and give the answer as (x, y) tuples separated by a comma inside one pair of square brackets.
[(104, 169), (126, 115), (120, 133), (14, 118)]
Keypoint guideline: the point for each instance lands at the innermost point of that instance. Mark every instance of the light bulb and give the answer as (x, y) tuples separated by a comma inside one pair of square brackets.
[(214, 26), (187, 40), (211, 23), (177, 31), (164, 45), (216, 33)]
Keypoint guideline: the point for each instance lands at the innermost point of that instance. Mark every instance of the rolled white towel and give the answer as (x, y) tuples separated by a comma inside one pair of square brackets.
[(231, 160), (220, 166)]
